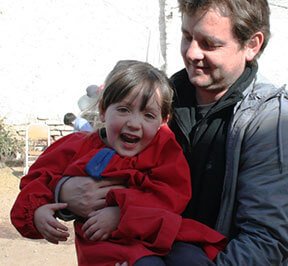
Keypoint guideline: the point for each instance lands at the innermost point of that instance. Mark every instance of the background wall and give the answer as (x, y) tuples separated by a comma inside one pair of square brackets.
[(273, 63), (51, 50)]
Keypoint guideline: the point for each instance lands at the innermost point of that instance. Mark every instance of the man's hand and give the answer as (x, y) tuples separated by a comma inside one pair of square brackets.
[(49, 227), (101, 223), (122, 264), (84, 195)]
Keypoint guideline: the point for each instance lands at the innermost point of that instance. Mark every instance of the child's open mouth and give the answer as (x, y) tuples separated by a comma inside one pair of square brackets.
[(129, 138)]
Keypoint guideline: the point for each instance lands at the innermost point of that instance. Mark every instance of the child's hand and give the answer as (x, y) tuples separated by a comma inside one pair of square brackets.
[(50, 228), (101, 223)]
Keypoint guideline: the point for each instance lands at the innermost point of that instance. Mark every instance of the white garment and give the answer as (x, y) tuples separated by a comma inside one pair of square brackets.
[(81, 124)]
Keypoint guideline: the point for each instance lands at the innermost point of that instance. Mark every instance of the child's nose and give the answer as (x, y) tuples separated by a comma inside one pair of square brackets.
[(134, 121)]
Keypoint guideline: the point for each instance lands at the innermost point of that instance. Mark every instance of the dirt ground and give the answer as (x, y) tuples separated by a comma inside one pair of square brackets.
[(18, 251)]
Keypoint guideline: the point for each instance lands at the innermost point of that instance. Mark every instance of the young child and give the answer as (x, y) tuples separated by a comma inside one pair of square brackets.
[(136, 146), (78, 123)]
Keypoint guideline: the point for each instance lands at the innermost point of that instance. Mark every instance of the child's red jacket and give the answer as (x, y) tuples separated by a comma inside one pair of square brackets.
[(159, 188)]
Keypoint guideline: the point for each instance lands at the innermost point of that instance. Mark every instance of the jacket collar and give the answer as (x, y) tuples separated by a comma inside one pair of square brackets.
[(185, 99)]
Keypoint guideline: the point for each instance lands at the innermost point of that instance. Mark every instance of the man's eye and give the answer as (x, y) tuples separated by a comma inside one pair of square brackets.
[(210, 45), (187, 37)]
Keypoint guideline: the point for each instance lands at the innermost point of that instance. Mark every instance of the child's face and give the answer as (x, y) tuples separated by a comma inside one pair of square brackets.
[(129, 129)]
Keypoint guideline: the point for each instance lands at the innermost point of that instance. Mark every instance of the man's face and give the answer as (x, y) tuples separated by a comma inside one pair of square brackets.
[(213, 58)]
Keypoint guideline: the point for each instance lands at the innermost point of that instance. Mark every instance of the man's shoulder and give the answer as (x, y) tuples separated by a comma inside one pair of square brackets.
[(263, 98), (262, 89)]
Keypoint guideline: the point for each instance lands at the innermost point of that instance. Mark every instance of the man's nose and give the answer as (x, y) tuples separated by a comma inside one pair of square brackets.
[(194, 51)]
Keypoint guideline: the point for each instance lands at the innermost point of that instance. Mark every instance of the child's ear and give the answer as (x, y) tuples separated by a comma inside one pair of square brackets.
[(101, 112), (166, 119), (102, 116)]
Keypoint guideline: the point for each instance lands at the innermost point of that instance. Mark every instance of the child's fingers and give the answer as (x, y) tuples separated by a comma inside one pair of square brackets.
[(54, 236), (55, 232), (91, 231), (57, 228), (92, 220), (105, 237), (56, 224), (97, 235)]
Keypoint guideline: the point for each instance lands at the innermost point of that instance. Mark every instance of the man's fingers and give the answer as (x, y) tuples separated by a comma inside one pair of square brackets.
[(85, 195), (58, 206), (122, 264), (110, 182), (102, 191), (99, 204), (93, 213)]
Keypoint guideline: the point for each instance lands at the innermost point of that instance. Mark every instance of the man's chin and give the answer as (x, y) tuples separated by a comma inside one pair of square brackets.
[(200, 82)]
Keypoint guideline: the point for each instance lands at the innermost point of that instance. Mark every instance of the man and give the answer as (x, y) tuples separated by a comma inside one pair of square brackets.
[(232, 125)]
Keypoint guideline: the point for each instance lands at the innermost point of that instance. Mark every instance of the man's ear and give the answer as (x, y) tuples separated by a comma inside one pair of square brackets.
[(254, 45)]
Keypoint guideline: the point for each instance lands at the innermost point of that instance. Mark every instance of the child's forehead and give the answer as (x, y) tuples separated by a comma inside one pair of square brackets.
[(146, 87), (144, 90), (140, 96)]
